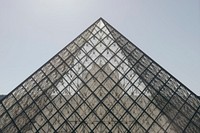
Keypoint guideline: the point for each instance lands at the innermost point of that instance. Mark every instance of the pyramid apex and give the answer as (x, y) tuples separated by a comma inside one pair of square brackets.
[(101, 18)]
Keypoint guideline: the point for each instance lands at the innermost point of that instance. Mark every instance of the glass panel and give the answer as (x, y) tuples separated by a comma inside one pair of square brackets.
[(38, 76), (9, 101)]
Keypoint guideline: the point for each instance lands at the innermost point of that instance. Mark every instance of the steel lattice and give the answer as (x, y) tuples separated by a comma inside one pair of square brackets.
[(100, 82)]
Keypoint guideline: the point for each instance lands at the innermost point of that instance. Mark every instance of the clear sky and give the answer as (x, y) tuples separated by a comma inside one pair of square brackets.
[(32, 31)]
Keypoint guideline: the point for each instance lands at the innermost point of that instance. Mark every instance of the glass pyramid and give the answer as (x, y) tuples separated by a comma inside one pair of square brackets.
[(100, 82)]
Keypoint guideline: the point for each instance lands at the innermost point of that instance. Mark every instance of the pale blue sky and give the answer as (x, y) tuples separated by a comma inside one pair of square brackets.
[(32, 31)]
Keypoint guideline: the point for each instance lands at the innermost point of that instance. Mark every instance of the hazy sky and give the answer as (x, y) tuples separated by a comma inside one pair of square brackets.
[(32, 31)]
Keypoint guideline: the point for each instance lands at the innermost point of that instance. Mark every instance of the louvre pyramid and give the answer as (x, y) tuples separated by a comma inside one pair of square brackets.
[(100, 82)]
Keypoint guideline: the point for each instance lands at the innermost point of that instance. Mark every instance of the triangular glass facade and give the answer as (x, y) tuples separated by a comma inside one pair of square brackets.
[(100, 82)]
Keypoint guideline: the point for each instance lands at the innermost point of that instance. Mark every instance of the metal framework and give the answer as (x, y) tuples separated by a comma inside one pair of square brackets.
[(100, 82)]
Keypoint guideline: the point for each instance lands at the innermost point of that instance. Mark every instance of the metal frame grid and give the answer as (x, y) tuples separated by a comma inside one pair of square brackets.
[(100, 82)]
